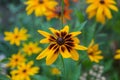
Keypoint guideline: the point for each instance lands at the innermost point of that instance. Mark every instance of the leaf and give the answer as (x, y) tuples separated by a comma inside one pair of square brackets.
[(3, 77), (38, 77)]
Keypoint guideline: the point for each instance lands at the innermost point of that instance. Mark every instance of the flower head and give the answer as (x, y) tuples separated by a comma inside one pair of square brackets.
[(94, 52), (101, 8), (31, 48), (61, 42), (16, 60), (16, 36), (39, 6), (55, 71), (57, 13), (24, 71), (117, 56)]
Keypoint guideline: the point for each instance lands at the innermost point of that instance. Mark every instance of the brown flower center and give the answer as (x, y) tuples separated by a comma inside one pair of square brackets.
[(41, 1), (24, 71), (16, 60), (60, 41), (102, 1), (16, 36)]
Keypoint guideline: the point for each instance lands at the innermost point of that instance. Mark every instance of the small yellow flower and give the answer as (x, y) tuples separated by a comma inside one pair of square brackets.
[(39, 6), (55, 71), (31, 48), (94, 52), (101, 8), (61, 42), (117, 56), (24, 71), (16, 36), (16, 60)]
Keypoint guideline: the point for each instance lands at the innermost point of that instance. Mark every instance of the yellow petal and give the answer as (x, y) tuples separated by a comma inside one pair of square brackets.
[(74, 55), (45, 34), (16, 30), (107, 13), (76, 40), (90, 8), (52, 59), (46, 40), (79, 47), (64, 52), (113, 7), (117, 56), (118, 51), (75, 33), (91, 14), (53, 30), (92, 43), (65, 29), (43, 54)]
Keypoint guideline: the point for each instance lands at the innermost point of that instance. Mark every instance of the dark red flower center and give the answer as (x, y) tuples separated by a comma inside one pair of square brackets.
[(41, 1), (60, 41), (102, 1)]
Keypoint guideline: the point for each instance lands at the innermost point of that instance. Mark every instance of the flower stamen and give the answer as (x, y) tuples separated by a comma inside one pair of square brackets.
[(60, 41)]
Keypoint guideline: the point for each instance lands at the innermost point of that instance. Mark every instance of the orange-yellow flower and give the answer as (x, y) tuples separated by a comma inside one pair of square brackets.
[(31, 48), (57, 13), (61, 42), (94, 52), (39, 6), (100, 9), (24, 71), (55, 71), (117, 56), (17, 36), (16, 60)]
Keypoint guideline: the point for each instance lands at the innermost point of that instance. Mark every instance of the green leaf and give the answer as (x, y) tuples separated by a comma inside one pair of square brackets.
[(38, 77), (3, 77)]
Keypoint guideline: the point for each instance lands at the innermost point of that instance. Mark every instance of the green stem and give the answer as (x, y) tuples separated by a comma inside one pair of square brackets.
[(62, 12), (63, 66)]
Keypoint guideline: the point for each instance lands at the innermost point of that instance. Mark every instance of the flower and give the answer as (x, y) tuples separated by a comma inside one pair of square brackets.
[(16, 60), (55, 71), (16, 36), (31, 48), (117, 56), (94, 52), (57, 13), (24, 71), (101, 8), (39, 6), (61, 42)]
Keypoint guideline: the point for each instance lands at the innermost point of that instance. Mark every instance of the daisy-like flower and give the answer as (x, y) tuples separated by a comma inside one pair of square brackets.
[(39, 6), (67, 2), (61, 42), (16, 36), (24, 71), (55, 71), (31, 48), (94, 52), (101, 8), (57, 13), (16, 60), (117, 56)]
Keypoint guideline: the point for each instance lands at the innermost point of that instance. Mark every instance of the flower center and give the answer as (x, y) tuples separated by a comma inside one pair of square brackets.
[(102, 1), (41, 1), (16, 60), (60, 41), (24, 71), (16, 36)]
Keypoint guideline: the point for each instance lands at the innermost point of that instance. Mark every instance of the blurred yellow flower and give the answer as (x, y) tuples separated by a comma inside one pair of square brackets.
[(31, 48), (101, 8), (94, 52), (39, 6), (61, 42), (16, 36), (117, 56), (24, 71), (55, 71), (16, 60)]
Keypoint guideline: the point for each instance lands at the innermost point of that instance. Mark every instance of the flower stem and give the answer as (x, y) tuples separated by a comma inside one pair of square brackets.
[(62, 12)]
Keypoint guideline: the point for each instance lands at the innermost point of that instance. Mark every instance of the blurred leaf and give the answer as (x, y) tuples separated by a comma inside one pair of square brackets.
[(3, 77), (39, 77), (79, 26), (80, 16), (108, 65)]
